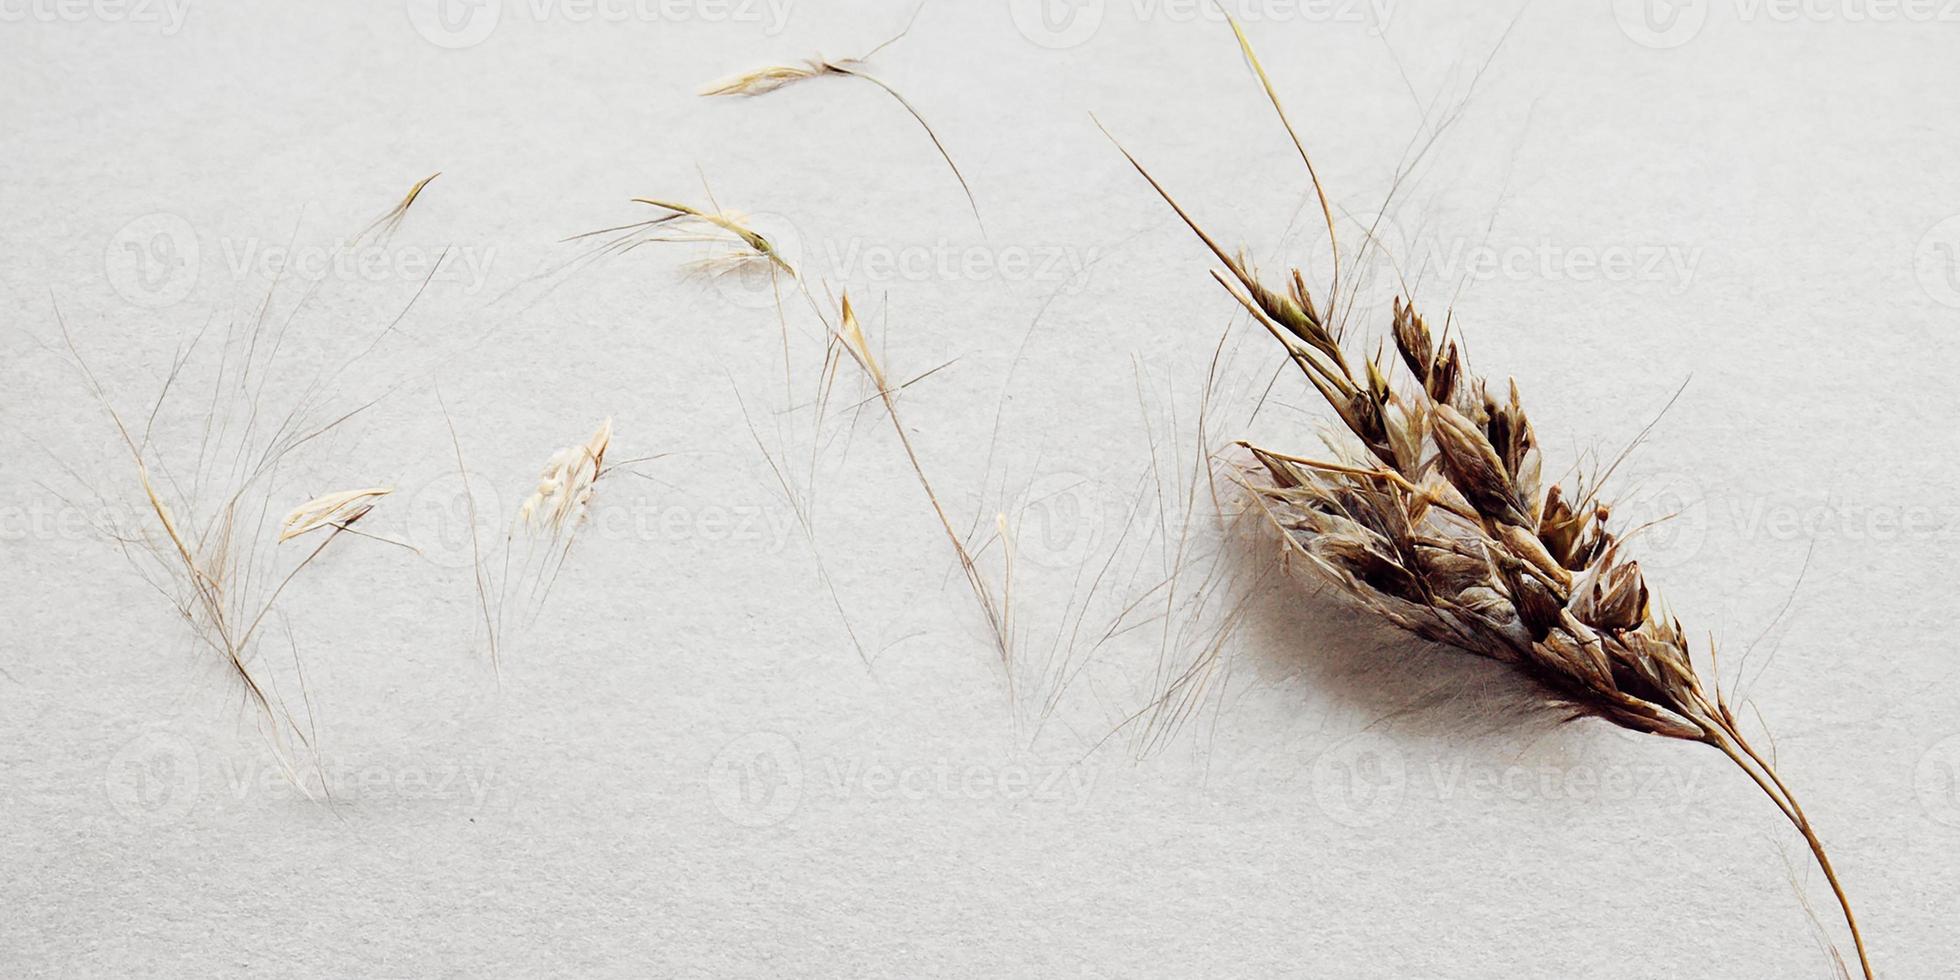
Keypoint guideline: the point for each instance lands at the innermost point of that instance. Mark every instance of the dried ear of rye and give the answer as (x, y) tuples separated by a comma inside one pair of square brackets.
[(1434, 515)]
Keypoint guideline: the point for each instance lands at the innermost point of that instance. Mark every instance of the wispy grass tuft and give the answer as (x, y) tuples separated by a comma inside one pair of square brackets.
[(209, 535), (206, 535)]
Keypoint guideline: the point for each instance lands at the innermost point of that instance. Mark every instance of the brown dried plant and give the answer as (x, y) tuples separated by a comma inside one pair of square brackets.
[(1432, 512), (762, 81)]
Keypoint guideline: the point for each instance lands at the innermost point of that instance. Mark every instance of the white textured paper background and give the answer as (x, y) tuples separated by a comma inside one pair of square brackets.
[(687, 770)]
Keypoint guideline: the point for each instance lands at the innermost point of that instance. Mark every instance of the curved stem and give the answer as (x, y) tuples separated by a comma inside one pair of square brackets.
[(1728, 739)]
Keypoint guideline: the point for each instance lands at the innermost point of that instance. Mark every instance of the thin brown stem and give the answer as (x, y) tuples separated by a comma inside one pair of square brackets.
[(852, 339), (1326, 212), (994, 616), (1729, 740), (851, 72)]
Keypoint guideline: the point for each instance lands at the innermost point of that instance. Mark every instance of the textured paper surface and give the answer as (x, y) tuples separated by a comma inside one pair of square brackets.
[(686, 769)]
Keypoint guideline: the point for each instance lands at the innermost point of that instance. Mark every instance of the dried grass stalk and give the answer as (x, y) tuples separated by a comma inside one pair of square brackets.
[(849, 335), (1433, 514), (762, 81)]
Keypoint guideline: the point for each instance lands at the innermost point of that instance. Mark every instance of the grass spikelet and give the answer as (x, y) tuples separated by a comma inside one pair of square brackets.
[(384, 227), (339, 509), (1434, 515), (684, 223), (851, 333), (726, 221), (164, 516), (565, 485), (764, 80)]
